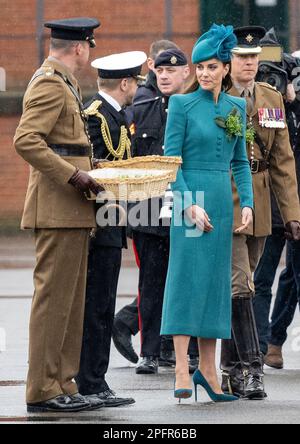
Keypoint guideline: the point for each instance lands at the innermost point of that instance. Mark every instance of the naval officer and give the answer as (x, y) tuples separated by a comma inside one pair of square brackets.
[(118, 77)]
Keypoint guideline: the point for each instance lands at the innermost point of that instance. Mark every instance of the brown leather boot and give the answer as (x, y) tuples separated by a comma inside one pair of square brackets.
[(274, 357)]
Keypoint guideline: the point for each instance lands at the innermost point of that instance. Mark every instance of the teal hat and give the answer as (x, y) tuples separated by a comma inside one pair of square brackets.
[(217, 43)]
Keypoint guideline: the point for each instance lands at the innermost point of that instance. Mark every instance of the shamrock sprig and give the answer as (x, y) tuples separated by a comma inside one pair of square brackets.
[(250, 134), (233, 124)]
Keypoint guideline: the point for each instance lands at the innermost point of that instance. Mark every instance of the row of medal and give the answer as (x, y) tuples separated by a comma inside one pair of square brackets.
[(271, 118)]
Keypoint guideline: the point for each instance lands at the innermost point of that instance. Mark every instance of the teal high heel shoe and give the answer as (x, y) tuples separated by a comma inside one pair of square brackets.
[(199, 379), (182, 393)]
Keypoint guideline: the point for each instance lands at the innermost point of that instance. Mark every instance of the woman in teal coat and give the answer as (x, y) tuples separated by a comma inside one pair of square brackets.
[(207, 128)]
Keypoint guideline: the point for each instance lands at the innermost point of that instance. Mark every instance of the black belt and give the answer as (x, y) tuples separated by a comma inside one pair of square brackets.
[(71, 150), (258, 166)]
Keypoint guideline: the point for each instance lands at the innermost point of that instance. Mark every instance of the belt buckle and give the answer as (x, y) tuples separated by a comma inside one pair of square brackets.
[(254, 166)]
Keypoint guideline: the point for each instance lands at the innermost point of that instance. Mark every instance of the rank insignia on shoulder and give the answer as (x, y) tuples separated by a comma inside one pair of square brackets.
[(271, 118), (267, 85), (49, 71), (132, 129)]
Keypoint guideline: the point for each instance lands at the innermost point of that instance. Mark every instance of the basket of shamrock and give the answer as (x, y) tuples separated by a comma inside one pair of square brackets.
[(131, 184), (159, 163), (138, 178)]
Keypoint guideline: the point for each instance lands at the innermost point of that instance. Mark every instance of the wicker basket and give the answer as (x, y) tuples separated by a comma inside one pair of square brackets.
[(148, 162), (131, 189)]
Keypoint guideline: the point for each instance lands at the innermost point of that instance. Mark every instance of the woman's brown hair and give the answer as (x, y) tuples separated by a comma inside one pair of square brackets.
[(226, 84)]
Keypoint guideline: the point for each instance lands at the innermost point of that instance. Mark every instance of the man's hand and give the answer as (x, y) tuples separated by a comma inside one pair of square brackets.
[(200, 218), (84, 183), (292, 230), (96, 162), (247, 219), (290, 94)]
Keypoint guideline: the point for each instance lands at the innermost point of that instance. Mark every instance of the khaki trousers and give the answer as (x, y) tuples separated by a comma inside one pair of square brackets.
[(247, 252), (56, 323)]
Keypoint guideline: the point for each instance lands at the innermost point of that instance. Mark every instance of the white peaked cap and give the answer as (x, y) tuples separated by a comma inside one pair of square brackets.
[(118, 66)]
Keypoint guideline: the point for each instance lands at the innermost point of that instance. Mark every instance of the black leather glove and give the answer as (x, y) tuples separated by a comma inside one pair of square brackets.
[(292, 230), (84, 183)]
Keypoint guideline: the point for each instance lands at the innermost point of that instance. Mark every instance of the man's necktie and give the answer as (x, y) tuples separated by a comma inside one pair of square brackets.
[(247, 95)]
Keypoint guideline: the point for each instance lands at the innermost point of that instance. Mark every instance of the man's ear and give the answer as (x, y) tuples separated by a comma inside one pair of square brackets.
[(150, 63), (186, 73), (124, 85), (78, 49)]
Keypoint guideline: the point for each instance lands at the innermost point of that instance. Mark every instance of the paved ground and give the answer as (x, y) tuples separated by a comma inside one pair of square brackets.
[(153, 394)]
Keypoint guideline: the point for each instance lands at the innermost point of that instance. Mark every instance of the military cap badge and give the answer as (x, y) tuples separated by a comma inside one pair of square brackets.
[(171, 57)]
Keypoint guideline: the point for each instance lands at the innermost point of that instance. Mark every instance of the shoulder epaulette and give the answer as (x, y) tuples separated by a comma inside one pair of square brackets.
[(267, 85), (93, 109), (143, 102), (46, 71)]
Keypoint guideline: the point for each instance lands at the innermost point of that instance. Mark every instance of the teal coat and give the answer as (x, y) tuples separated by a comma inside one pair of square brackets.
[(197, 298)]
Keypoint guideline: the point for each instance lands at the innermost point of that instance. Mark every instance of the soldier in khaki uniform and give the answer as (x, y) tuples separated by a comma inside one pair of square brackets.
[(272, 164), (51, 137)]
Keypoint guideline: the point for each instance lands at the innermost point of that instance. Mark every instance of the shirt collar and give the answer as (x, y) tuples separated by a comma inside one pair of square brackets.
[(110, 100), (241, 89)]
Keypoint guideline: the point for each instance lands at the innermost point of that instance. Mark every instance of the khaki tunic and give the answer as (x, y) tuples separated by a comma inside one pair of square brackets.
[(281, 174), (51, 115), (62, 218)]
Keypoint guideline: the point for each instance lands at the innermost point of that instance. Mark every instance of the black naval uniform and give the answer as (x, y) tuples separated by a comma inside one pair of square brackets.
[(128, 317), (151, 242), (103, 270)]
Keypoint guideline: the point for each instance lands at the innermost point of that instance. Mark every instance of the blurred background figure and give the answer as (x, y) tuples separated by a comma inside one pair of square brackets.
[(284, 75)]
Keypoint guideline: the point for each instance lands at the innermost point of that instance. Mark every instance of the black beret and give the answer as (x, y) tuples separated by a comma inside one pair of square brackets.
[(171, 57), (80, 28)]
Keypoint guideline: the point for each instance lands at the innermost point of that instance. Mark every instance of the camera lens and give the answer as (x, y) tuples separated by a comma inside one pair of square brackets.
[(275, 81), (275, 77)]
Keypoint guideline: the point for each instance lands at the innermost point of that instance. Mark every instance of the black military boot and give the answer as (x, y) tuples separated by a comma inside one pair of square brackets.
[(167, 359), (193, 364), (246, 341), (232, 370), (147, 366), (254, 383), (194, 355), (167, 354)]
